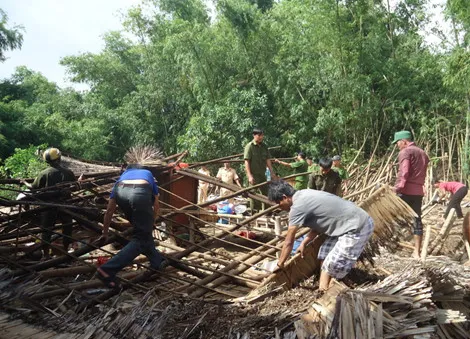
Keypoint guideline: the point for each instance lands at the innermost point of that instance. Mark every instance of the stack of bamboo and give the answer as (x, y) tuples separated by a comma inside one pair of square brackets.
[(389, 213), (414, 302)]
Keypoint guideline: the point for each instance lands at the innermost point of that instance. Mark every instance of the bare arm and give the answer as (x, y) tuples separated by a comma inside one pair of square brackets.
[(270, 166), (110, 209), (288, 245), (27, 184), (277, 161), (308, 238)]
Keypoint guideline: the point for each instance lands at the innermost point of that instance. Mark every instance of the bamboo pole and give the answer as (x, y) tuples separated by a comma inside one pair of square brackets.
[(357, 154), (442, 236), (424, 250), (223, 158), (227, 233), (250, 259), (466, 233), (214, 181), (231, 229)]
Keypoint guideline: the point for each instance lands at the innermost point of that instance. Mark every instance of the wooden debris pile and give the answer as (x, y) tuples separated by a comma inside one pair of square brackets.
[(390, 214), (63, 289), (417, 301), (212, 264)]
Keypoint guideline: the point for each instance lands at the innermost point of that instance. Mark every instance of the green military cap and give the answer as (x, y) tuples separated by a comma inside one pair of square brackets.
[(401, 135)]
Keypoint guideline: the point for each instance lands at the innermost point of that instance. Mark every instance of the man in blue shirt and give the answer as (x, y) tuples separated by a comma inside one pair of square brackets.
[(136, 193)]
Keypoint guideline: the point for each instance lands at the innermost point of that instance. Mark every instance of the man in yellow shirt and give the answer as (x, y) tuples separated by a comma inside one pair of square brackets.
[(227, 175)]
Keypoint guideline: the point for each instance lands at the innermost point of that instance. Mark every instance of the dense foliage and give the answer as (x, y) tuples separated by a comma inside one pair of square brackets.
[(322, 76)]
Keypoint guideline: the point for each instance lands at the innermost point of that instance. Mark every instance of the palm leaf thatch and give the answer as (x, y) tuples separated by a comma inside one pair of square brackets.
[(144, 155), (408, 303), (389, 213)]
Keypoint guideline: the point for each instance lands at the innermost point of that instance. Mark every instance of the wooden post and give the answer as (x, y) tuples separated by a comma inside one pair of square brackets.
[(424, 250), (466, 233), (191, 231), (277, 230), (442, 236)]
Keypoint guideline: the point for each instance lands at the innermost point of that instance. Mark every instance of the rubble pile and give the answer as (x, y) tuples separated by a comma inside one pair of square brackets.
[(220, 282)]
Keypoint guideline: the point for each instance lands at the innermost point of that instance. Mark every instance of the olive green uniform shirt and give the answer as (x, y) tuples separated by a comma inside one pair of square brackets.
[(52, 176), (329, 182), (343, 174), (257, 155), (300, 166), (313, 168)]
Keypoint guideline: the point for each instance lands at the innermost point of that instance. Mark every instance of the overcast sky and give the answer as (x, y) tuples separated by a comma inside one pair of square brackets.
[(58, 28)]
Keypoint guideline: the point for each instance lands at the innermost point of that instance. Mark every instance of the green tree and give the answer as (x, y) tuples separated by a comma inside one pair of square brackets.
[(10, 38)]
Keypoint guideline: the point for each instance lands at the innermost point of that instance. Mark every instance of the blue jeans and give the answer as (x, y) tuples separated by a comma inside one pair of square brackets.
[(130, 252), (137, 203)]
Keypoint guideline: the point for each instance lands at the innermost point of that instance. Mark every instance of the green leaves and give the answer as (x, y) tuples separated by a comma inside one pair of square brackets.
[(316, 75), (24, 163), (10, 38)]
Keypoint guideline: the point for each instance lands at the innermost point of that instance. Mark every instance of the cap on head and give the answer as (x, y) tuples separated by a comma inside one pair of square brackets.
[(51, 154), (401, 135), (336, 158), (257, 131)]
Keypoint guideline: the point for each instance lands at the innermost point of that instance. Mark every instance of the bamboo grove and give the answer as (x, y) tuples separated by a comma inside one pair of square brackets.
[(321, 76)]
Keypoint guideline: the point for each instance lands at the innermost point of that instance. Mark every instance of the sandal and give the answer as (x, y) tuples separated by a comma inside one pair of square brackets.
[(108, 281)]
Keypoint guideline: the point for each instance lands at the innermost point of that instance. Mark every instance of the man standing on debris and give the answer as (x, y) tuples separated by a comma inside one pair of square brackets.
[(413, 162), (299, 166), (343, 173), (458, 191), (325, 179), (203, 188), (136, 193), (257, 158), (347, 226), (227, 175), (52, 176)]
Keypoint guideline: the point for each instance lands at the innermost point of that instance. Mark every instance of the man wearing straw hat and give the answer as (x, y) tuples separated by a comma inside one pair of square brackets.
[(347, 226), (413, 162)]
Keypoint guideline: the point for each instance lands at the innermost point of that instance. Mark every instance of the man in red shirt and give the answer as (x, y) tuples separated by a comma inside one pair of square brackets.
[(458, 191), (413, 163)]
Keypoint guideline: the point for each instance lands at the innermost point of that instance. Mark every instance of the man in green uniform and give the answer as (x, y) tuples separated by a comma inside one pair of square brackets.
[(312, 166), (299, 166), (51, 176), (343, 173), (326, 179), (257, 158)]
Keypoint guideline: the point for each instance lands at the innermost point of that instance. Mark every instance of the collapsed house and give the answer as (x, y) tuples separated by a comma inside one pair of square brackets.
[(218, 262)]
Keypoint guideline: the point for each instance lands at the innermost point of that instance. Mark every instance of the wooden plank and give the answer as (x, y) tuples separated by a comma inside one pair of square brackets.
[(297, 268)]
